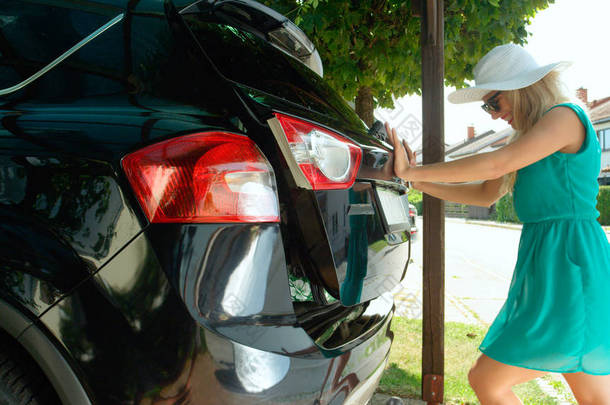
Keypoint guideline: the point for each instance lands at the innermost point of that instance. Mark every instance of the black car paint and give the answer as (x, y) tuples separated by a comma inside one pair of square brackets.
[(289, 87), (104, 287), (128, 332)]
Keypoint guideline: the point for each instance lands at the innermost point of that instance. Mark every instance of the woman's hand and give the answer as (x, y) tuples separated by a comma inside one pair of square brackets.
[(388, 168), (404, 157)]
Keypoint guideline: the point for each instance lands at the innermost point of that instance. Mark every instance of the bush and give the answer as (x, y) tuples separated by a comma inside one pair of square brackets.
[(416, 198), (505, 210), (603, 205)]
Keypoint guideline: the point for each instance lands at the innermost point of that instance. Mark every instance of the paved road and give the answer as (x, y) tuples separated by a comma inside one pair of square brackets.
[(479, 261)]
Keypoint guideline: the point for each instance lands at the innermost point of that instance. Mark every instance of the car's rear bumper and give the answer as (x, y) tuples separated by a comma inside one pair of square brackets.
[(130, 337), (244, 376)]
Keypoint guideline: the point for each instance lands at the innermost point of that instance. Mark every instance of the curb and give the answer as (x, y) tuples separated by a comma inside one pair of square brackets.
[(494, 224), (382, 399), (505, 225)]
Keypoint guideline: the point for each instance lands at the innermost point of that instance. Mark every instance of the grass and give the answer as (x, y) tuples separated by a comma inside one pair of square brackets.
[(563, 392), (402, 376), (377, 246)]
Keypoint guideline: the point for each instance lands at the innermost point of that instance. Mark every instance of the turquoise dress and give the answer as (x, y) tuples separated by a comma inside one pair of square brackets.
[(557, 313)]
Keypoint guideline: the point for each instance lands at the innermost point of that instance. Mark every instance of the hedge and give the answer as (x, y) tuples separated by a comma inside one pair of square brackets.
[(603, 205), (416, 198), (505, 210)]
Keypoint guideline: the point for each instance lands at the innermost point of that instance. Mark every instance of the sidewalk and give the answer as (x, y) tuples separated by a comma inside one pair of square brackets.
[(408, 301), (507, 224), (408, 294)]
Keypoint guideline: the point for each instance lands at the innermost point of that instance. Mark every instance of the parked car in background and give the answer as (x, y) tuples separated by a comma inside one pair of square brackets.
[(412, 218), (189, 214)]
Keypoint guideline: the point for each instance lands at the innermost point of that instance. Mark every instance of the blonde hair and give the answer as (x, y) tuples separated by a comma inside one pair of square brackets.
[(529, 105)]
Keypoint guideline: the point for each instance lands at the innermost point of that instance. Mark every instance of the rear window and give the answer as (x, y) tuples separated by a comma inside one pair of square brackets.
[(32, 35), (247, 59)]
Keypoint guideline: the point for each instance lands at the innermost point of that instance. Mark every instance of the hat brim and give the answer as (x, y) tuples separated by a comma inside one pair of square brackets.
[(476, 93)]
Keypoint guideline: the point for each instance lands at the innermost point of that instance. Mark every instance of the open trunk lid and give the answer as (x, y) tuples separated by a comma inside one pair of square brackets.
[(353, 241)]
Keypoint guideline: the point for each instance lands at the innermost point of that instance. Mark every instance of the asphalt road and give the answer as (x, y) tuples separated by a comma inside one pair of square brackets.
[(479, 262)]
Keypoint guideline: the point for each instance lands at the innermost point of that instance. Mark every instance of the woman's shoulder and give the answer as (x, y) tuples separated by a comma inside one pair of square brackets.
[(567, 107), (577, 110), (568, 112), (570, 120)]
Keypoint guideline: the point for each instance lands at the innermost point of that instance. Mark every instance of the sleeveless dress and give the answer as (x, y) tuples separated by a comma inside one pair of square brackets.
[(557, 314)]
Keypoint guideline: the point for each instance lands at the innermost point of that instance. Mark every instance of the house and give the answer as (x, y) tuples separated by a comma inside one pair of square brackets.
[(472, 145), (599, 112)]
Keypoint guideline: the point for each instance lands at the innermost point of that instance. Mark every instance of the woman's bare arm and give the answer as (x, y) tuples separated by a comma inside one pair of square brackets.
[(559, 129), (482, 194)]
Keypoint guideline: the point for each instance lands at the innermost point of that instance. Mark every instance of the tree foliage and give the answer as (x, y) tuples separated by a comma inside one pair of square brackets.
[(375, 44)]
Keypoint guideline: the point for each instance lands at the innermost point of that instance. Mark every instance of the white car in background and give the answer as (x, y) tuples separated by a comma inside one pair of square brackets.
[(412, 216)]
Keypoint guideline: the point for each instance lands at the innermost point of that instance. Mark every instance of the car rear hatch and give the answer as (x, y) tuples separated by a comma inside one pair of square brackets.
[(352, 238)]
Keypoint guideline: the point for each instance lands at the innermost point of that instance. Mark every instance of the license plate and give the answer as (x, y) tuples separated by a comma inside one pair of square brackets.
[(395, 209)]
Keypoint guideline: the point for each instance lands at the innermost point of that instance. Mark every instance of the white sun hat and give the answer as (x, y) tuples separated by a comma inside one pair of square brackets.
[(506, 67)]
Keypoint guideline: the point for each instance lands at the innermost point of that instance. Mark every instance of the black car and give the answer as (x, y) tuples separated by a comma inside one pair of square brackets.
[(189, 214)]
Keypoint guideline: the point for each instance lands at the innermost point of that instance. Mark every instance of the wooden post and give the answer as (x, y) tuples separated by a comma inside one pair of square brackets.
[(433, 347)]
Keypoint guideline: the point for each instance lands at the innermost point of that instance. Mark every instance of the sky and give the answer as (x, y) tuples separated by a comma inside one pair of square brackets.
[(572, 30)]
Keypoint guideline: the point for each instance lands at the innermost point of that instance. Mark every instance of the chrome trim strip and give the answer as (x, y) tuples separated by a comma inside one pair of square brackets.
[(277, 130), (63, 56)]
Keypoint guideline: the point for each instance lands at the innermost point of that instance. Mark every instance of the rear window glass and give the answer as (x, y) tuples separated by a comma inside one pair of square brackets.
[(32, 35), (245, 58)]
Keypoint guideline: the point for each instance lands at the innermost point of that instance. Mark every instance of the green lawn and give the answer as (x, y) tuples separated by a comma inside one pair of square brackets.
[(402, 376)]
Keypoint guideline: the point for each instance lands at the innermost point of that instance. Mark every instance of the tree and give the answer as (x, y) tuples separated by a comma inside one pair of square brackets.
[(371, 49)]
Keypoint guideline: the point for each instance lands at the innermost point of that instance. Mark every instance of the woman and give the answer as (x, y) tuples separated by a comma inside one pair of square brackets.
[(557, 314)]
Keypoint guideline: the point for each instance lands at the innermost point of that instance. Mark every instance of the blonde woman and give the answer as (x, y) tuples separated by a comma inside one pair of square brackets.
[(556, 317)]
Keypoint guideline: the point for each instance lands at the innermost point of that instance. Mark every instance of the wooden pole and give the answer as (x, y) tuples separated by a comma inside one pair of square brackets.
[(433, 345)]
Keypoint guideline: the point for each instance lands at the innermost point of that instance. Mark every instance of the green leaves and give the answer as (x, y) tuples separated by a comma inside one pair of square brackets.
[(376, 43)]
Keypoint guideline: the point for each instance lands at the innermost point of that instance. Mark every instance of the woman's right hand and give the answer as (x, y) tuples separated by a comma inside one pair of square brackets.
[(404, 157)]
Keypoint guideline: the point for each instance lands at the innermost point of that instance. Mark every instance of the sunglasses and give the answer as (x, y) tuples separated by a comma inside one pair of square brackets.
[(491, 105)]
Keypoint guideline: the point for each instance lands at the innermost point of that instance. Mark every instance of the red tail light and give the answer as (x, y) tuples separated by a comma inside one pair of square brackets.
[(328, 160), (204, 177)]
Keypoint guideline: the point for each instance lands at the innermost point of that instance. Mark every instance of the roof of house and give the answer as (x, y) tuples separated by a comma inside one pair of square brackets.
[(467, 143), (600, 112), (478, 143), (595, 103)]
